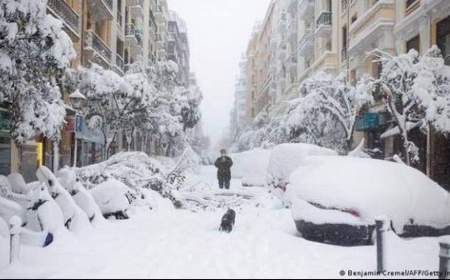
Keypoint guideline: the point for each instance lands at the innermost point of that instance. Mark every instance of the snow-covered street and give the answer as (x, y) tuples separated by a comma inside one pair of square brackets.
[(170, 243)]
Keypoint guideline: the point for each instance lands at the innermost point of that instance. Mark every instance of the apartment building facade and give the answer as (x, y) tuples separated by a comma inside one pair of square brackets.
[(178, 47), (111, 33), (340, 36)]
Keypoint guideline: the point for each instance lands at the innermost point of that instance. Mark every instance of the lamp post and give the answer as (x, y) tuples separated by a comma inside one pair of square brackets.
[(77, 99)]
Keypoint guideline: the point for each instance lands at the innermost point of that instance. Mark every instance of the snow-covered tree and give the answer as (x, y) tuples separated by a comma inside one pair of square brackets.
[(324, 114), (110, 102), (34, 53), (327, 111), (174, 109), (417, 94)]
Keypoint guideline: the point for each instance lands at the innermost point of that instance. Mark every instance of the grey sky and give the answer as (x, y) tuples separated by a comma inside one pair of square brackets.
[(219, 31)]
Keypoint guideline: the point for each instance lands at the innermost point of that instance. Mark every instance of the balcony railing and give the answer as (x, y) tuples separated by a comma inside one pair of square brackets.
[(139, 3), (136, 8), (119, 17), (119, 63), (66, 13), (97, 44), (305, 42), (411, 6), (131, 31), (109, 3), (101, 9), (324, 19)]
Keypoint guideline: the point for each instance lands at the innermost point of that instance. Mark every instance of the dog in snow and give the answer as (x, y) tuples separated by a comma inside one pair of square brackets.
[(228, 221)]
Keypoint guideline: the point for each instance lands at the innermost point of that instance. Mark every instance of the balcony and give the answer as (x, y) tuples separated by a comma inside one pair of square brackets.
[(306, 43), (377, 22), (101, 9), (119, 66), (134, 39), (306, 8), (67, 15), (100, 52), (323, 24), (136, 8)]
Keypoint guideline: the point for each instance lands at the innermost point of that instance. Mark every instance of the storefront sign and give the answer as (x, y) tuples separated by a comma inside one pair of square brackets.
[(368, 121)]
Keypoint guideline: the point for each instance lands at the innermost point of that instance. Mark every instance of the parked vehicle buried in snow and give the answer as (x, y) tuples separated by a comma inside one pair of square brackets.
[(285, 159), (336, 200)]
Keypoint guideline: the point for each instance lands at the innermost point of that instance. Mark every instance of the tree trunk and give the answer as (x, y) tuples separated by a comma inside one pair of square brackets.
[(55, 145)]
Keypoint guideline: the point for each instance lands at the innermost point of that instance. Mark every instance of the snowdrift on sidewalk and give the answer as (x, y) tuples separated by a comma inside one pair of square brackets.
[(367, 189), (251, 167), (285, 158)]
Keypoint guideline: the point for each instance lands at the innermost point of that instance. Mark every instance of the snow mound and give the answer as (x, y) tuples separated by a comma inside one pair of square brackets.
[(18, 184), (285, 158), (251, 167), (111, 197), (371, 188), (44, 214), (74, 218)]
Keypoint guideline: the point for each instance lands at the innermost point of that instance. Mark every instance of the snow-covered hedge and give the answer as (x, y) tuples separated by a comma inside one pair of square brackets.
[(251, 166), (369, 188)]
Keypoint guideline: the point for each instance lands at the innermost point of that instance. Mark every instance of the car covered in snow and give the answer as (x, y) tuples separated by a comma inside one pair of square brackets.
[(251, 167), (285, 158), (337, 199), (113, 198)]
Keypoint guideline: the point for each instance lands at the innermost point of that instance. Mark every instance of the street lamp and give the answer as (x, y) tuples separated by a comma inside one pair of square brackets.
[(77, 100)]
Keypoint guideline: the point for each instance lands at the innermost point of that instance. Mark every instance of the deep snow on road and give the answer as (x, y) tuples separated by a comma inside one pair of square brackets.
[(168, 243)]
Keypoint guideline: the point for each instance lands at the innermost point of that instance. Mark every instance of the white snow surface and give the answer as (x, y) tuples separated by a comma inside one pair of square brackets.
[(372, 188), (251, 166), (168, 243)]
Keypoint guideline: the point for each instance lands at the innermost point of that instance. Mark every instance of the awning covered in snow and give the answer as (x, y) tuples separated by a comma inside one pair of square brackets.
[(396, 130)]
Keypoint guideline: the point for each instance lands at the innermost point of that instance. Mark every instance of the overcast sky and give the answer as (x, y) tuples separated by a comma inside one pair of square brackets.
[(218, 31)]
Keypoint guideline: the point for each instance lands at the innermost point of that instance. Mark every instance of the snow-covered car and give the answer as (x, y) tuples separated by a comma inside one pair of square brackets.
[(337, 199), (112, 196), (251, 167), (285, 158)]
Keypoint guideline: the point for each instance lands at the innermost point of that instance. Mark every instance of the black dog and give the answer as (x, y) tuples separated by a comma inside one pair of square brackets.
[(228, 221)]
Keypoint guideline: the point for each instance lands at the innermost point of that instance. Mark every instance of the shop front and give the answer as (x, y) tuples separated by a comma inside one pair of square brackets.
[(371, 125)]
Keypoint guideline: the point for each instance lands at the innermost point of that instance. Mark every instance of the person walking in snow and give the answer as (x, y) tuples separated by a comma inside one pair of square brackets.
[(224, 164)]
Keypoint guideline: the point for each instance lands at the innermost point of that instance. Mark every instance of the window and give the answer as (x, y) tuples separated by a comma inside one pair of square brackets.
[(443, 38), (414, 43), (344, 42)]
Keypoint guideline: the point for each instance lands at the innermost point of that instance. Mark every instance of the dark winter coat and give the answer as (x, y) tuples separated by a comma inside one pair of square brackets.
[(224, 165)]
